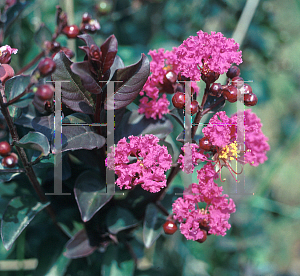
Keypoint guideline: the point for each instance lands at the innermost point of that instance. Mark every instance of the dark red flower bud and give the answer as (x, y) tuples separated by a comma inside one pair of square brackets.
[(86, 17), (10, 161), (45, 92), (233, 71), (250, 99), (215, 89), (230, 93), (178, 100), (46, 67), (71, 31), (4, 148), (205, 144), (237, 82), (170, 227)]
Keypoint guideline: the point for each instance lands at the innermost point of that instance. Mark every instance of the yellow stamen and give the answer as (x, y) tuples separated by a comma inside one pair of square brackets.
[(229, 152)]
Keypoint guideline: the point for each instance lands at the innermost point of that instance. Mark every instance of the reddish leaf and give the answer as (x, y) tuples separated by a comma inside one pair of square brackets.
[(109, 50), (74, 94), (132, 79), (79, 246), (82, 69)]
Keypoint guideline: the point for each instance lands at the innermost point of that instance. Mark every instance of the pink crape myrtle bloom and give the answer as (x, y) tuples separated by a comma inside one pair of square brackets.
[(197, 155), (6, 52), (212, 52), (151, 104), (222, 133), (216, 213), (152, 161), (255, 141)]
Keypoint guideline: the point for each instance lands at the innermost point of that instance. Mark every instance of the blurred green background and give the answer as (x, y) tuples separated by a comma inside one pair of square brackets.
[(265, 237)]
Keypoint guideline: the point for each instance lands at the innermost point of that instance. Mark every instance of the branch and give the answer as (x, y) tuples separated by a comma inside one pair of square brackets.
[(31, 63), (23, 157)]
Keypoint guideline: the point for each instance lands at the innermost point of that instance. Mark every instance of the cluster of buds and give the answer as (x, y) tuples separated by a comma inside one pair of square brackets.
[(230, 90), (10, 159), (88, 24)]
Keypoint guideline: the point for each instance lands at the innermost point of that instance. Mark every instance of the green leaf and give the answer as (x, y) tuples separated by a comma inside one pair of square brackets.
[(19, 212), (14, 112), (60, 266), (74, 95), (136, 124), (153, 222), (88, 189), (118, 219), (79, 246), (14, 87), (117, 262), (35, 141), (80, 136)]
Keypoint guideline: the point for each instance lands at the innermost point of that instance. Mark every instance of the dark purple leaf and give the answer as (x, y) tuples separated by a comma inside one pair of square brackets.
[(82, 69), (133, 78), (109, 50), (80, 136), (79, 246), (44, 125), (90, 194), (74, 95), (87, 39), (118, 64)]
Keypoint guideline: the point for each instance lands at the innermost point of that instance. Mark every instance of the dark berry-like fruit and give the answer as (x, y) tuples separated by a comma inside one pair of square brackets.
[(170, 227), (233, 71), (86, 17), (71, 31), (194, 107), (210, 77), (237, 82), (68, 52), (230, 93), (247, 89), (10, 161), (55, 46), (215, 89), (4, 148), (46, 67), (250, 99), (171, 76), (45, 92), (205, 144), (178, 100), (204, 237)]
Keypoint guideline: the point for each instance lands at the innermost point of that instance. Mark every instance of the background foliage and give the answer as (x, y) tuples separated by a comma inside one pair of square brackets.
[(264, 238)]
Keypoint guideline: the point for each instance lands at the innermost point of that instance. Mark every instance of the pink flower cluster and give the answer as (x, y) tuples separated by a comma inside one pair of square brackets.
[(196, 155), (211, 51), (152, 161), (155, 106), (217, 210), (162, 62), (222, 130)]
